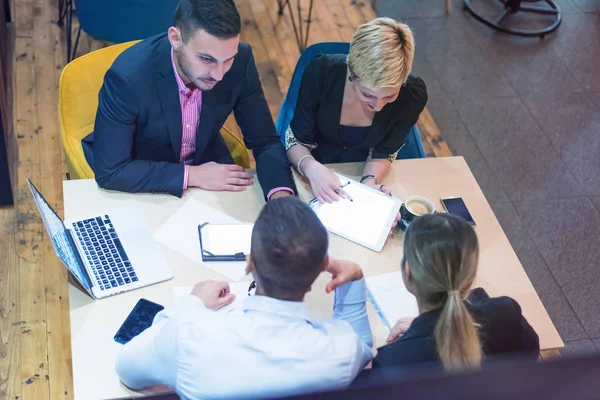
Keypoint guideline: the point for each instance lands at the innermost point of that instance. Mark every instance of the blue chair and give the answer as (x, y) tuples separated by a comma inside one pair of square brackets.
[(120, 21), (412, 147)]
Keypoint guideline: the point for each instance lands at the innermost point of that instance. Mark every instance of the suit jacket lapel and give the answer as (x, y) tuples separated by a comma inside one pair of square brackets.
[(166, 85)]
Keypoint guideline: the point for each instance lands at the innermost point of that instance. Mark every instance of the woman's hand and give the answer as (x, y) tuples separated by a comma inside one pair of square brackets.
[(377, 186), (324, 183), (399, 329)]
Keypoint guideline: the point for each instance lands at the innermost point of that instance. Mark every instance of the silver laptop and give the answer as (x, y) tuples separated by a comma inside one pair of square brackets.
[(107, 254)]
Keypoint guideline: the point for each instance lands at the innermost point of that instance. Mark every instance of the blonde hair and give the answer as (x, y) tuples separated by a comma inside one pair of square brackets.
[(442, 253), (381, 53)]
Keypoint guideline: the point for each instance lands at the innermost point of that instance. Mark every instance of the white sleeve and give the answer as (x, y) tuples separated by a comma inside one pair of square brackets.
[(151, 357)]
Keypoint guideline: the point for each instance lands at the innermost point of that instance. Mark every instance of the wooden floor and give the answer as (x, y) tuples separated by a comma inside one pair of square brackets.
[(35, 351)]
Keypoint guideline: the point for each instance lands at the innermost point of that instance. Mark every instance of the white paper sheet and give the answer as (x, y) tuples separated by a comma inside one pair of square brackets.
[(390, 298), (180, 233), (240, 289)]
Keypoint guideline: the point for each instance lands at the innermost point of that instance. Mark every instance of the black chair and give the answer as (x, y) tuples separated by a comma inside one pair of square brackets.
[(511, 7)]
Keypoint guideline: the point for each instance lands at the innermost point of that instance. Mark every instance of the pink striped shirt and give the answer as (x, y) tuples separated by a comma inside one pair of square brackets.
[(191, 103)]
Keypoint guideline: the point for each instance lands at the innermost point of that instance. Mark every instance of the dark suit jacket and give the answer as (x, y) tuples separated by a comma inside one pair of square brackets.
[(502, 330), (136, 142)]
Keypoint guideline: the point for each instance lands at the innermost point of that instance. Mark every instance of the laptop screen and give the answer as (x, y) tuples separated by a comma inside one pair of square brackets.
[(65, 248)]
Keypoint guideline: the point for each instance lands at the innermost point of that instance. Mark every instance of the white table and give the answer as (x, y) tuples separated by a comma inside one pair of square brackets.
[(94, 323)]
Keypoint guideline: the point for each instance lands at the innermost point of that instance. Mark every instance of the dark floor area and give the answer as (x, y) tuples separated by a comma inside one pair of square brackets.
[(525, 114)]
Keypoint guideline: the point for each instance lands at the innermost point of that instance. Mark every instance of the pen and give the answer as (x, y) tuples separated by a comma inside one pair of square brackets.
[(313, 201)]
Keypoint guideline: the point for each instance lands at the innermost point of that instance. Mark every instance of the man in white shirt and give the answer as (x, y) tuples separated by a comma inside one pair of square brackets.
[(270, 346)]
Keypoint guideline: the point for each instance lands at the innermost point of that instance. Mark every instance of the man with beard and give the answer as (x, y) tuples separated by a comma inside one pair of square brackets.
[(164, 101)]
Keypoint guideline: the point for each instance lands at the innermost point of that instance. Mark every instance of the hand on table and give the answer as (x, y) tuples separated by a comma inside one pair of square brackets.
[(324, 184), (399, 329), (342, 272), (213, 294), (377, 186), (213, 176)]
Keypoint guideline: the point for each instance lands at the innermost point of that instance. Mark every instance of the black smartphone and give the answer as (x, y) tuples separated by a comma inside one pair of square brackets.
[(456, 206), (138, 320)]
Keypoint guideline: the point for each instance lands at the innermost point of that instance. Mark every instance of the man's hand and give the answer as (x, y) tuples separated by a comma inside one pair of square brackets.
[(399, 329), (324, 184), (213, 176), (342, 272), (213, 294)]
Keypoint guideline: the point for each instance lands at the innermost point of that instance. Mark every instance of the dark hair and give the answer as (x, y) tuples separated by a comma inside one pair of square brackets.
[(289, 248), (442, 253), (218, 18)]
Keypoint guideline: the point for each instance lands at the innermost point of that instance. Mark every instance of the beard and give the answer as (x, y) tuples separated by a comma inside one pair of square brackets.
[(203, 84)]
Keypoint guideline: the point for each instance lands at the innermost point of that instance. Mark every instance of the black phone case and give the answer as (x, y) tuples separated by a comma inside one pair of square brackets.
[(138, 320)]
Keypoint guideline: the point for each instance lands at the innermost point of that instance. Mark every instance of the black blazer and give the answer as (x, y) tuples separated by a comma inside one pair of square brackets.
[(316, 118), (136, 143), (502, 330)]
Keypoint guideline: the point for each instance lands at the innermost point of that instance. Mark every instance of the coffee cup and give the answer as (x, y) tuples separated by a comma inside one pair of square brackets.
[(414, 207)]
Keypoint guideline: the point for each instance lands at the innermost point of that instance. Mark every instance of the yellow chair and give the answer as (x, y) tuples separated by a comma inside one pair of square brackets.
[(80, 82), (237, 148)]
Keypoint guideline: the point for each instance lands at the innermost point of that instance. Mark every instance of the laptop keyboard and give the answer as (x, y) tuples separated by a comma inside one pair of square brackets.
[(104, 252)]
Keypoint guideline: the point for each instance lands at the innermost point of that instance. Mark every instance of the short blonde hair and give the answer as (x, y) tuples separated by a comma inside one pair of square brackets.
[(381, 53)]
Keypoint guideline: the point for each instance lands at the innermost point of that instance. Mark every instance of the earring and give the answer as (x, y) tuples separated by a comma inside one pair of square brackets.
[(350, 78)]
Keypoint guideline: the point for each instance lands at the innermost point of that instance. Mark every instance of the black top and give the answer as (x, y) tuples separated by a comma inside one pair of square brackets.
[(502, 329), (316, 119)]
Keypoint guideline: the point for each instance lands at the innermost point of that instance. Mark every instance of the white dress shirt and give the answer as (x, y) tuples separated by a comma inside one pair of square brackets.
[(266, 348)]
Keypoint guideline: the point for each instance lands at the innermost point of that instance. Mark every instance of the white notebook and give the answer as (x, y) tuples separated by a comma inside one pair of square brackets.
[(390, 298)]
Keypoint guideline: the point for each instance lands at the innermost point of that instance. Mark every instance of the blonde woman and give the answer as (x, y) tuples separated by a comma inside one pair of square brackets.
[(356, 107), (439, 267)]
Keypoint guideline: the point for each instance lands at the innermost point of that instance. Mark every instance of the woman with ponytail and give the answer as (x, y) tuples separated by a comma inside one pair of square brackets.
[(439, 266), (356, 107)]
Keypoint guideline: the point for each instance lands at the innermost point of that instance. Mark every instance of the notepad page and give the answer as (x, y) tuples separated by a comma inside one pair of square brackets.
[(362, 219), (227, 239), (391, 298)]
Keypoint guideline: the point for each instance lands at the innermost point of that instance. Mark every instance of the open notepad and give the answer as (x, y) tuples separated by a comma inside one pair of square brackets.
[(390, 298), (225, 242)]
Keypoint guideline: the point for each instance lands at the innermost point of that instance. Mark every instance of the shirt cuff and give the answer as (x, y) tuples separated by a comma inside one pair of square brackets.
[(186, 169), (351, 293), (277, 189)]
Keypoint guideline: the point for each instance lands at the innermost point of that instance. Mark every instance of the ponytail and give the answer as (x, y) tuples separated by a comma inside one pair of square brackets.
[(456, 337)]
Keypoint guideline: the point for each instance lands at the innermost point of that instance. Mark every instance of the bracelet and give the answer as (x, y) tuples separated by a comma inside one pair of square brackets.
[(300, 162), (364, 178)]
